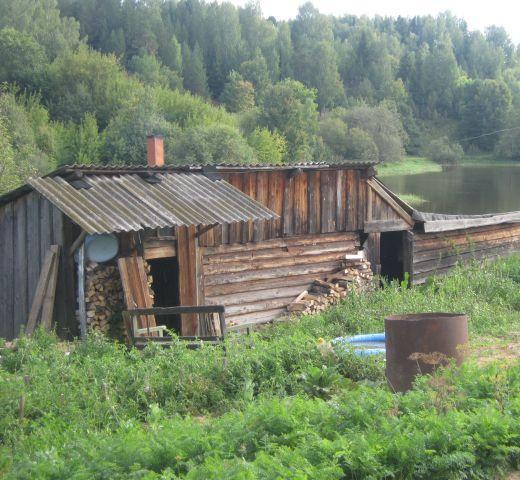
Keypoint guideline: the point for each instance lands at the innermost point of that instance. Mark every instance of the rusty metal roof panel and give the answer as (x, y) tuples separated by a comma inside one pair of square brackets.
[(128, 202)]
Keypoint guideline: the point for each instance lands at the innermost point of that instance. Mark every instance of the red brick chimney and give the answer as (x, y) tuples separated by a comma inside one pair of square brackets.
[(155, 150)]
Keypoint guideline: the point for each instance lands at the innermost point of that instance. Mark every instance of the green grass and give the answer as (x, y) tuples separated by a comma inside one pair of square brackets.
[(412, 199), (408, 166), (414, 165), (272, 405)]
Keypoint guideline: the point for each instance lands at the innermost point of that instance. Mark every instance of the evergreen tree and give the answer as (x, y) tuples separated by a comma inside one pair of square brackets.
[(194, 73)]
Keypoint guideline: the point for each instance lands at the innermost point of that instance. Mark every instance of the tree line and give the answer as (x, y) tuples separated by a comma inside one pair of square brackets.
[(84, 81)]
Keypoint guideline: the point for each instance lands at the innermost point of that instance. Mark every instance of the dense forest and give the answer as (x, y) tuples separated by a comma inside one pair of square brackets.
[(84, 81)]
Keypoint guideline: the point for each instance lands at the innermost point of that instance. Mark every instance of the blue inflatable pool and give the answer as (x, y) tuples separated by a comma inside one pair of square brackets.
[(363, 345)]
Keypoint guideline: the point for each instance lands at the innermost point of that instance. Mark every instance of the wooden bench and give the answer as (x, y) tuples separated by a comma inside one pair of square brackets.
[(140, 337)]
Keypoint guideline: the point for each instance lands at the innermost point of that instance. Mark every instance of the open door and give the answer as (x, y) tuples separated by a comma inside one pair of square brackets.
[(165, 286), (392, 255)]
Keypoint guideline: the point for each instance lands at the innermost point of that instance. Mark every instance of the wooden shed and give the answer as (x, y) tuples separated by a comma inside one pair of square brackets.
[(437, 242), (248, 238)]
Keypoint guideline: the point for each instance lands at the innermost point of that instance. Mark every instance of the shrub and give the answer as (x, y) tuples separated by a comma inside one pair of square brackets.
[(270, 148), (443, 151)]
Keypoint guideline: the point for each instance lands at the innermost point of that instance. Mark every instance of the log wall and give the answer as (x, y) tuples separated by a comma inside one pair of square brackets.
[(256, 281), (437, 253), (28, 226), (308, 202)]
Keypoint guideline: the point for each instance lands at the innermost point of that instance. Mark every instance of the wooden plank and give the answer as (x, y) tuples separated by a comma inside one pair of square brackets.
[(6, 272), (361, 201), (33, 243), (82, 306), (284, 242), (189, 287), (37, 299), (341, 200), (249, 188), (421, 267), (288, 205), (45, 226), (288, 251), (390, 201), (159, 248), (301, 209), (368, 216), (255, 318), (160, 311), (351, 194), (373, 251), (385, 226), (408, 253), (235, 229), (473, 230), (328, 201), (135, 287), (262, 264), (21, 300), (275, 203), (463, 248), (419, 278), (423, 242), (272, 273), (49, 298), (256, 295), (457, 224), (260, 231), (302, 281), (61, 306), (259, 306), (314, 192)]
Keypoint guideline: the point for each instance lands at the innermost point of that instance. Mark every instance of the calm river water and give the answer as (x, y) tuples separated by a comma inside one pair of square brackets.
[(463, 189)]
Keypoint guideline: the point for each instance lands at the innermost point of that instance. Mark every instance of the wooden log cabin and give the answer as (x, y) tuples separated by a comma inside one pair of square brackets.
[(250, 238)]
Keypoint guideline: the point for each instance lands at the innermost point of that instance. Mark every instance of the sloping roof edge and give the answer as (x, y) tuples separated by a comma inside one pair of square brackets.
[(436, 222)]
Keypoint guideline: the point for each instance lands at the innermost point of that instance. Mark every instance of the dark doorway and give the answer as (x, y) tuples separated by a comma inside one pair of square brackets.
[(391, 251), (165, 285)]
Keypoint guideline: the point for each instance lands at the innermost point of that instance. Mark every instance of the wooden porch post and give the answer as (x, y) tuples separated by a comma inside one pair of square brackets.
[(190, 277)]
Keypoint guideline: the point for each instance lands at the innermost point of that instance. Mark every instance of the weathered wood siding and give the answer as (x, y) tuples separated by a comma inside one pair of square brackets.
[(256, 281), (437, 253), (308, 202), (28, 226)]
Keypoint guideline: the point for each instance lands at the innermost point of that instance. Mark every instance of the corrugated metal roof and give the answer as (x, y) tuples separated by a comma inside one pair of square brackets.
[(128, 202)]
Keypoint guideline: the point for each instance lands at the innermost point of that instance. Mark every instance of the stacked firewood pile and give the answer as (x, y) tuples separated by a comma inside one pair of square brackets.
[(354, 276), (103, 295)]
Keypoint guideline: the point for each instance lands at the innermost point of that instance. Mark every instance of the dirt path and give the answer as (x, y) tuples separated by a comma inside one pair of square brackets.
[(489, 349)]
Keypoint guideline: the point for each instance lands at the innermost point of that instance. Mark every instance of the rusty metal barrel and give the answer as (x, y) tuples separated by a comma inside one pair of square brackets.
[(418, 343)]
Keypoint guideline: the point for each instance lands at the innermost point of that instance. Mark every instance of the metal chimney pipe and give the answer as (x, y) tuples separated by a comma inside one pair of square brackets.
[(155, 150)]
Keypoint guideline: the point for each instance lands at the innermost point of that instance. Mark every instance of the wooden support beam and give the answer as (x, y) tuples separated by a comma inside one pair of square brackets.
[(205, 229), (41, 288), (77, 243), (385, 226), (50, 293), (189, 281), (390, 201), (82, 307)]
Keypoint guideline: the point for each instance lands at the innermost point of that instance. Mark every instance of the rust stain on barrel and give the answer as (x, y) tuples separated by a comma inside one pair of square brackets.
[(421, 334)]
